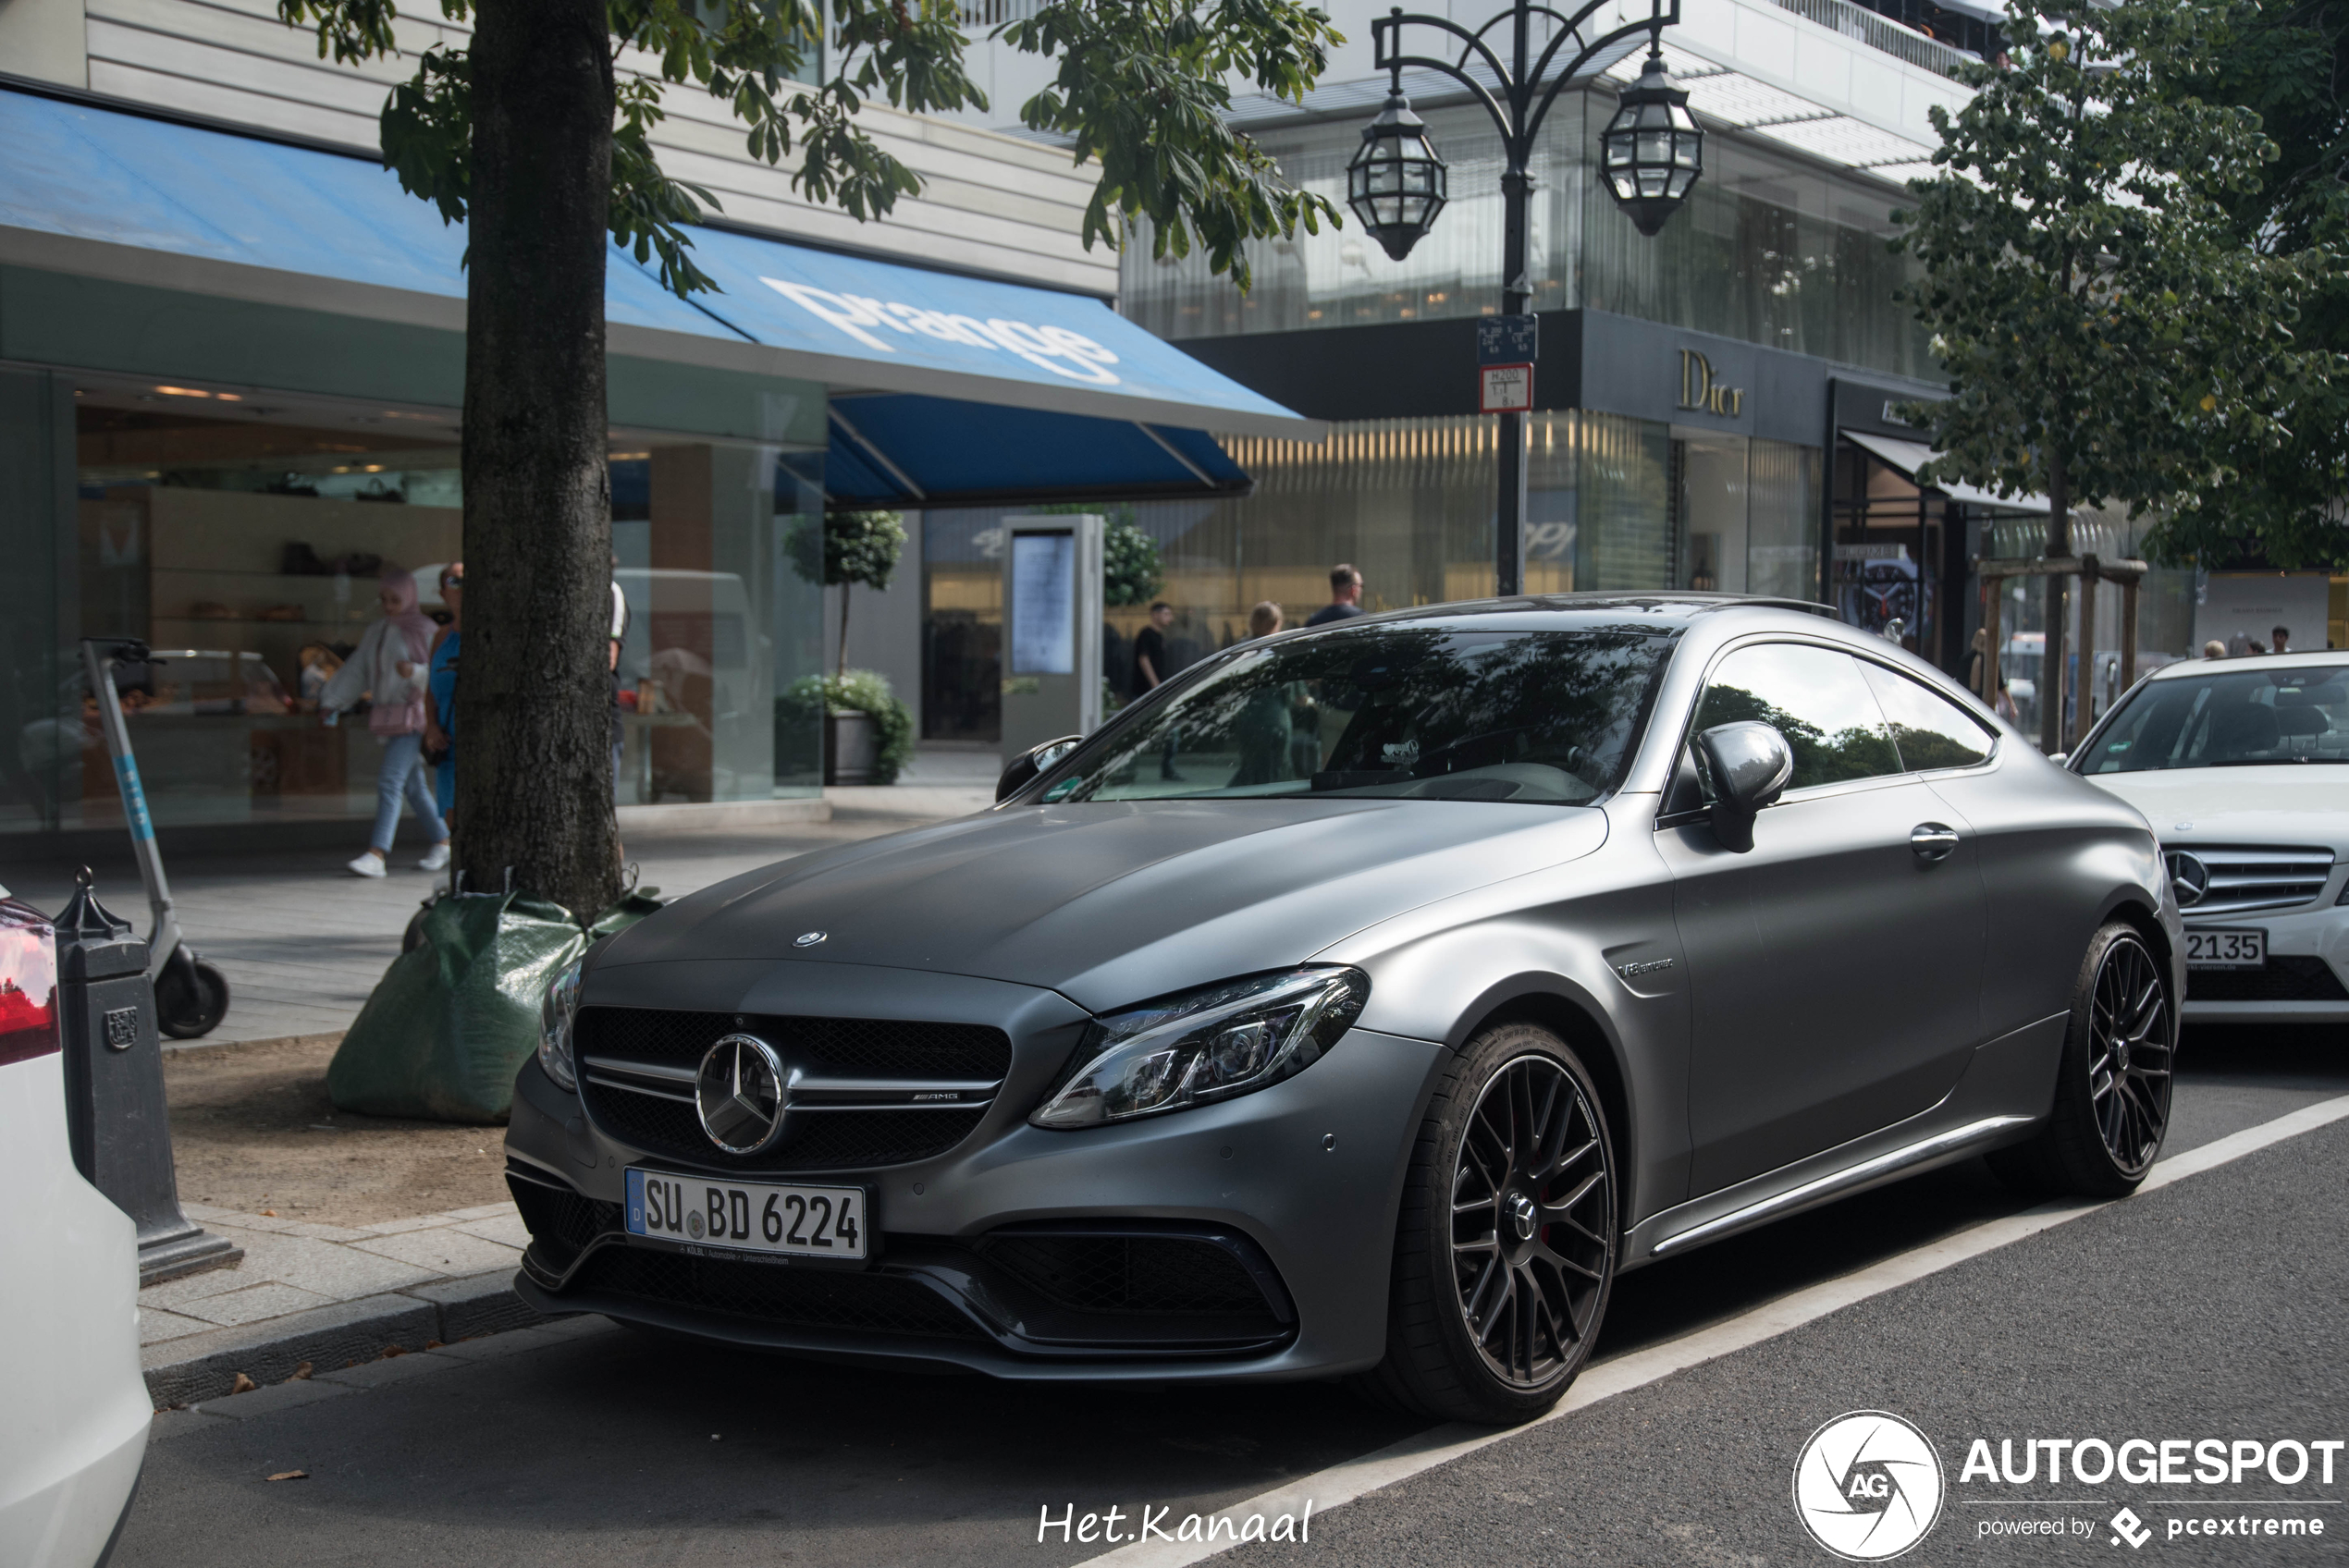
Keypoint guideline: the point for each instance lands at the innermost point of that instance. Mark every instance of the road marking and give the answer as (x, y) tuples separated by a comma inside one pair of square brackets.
[(1342, 1484)]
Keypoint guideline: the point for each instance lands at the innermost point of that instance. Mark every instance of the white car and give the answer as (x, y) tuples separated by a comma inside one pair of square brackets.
[(2241, 766), (74, 1419)]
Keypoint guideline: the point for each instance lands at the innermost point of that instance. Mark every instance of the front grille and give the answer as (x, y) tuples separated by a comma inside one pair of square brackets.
[(1129, 1274), (561, 1222), (2287, 978), (780, 1294), (840, 1137), (849, 1046), (816, 1140), (2249, 877)]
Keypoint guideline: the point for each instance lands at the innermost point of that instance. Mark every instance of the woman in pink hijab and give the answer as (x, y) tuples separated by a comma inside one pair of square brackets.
[(388, 667)]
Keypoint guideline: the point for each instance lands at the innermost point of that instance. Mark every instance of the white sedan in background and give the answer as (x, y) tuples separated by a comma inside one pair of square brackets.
[(2241, 766), (75, 1414)]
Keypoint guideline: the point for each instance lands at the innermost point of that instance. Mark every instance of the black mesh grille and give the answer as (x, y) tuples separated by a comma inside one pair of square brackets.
[(861, 1046), (1169, 1274), (826, 1140), (807, 1298), (561, 1222), (2287, 978)]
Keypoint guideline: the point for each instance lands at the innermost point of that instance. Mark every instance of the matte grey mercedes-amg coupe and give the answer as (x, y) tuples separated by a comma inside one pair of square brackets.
[(1362, 1003)]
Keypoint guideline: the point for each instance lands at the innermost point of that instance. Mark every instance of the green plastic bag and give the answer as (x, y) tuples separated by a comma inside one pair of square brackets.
[(452, 1021)]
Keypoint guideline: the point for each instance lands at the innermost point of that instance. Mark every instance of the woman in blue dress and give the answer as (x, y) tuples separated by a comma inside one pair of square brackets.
[(440, 706)]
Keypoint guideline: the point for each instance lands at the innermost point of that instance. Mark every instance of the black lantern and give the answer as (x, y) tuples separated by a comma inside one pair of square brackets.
[(1652, 151), (1397, 183)]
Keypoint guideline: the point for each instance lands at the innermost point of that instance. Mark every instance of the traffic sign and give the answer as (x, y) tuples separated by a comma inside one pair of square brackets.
[(1508, 340), (1505, 389)]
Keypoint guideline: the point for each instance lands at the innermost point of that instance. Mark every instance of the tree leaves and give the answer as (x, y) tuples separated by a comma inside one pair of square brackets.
[(2104, 328), (1139, 88)]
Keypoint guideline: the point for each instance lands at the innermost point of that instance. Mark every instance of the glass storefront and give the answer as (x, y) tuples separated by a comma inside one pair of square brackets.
[(242, 533), (1771, 249), (1613, 503)]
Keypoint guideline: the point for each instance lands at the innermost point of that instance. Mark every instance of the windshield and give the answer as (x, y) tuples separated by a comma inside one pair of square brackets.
[(1413, 711), (2231, 718)]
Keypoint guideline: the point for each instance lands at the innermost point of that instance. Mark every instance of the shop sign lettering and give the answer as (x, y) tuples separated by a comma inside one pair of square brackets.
[(1700, 393), (1055, 349)]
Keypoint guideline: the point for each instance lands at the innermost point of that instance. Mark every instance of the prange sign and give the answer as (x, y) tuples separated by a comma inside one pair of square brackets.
[(883, 313)]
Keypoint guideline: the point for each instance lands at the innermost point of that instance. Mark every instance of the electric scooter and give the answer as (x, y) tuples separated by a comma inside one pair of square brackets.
[(191, 997)]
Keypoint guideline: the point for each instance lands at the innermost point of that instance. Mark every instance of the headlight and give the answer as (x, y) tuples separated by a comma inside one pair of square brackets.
[(1205, 1046), (556, 1015)]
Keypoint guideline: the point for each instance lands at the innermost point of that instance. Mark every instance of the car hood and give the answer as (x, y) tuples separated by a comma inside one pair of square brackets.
[(1111, 905), (2288, 803)]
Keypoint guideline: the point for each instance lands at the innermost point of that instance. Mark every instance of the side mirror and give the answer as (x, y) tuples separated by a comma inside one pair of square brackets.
[(1749, 764), (1028, 763)]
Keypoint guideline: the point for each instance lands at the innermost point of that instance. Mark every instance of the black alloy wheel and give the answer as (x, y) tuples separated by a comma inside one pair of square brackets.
[(2111, 1108), (1506, 1247)]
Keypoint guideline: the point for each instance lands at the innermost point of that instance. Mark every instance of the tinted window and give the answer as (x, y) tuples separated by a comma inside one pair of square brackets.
[(2231, 717), (1817, 698), (1930, 730), (1418, 711)]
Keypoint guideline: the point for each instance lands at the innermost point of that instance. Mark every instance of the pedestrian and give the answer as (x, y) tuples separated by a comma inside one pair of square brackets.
[(440, 708), (1264, 619), (2280, 640), (619, 637), (2214, 649), (2001, 703), (1346, 596), (1150, 650), (389, 668)]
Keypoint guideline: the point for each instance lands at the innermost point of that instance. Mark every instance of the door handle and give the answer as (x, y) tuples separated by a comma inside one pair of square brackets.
[(1933, 842)]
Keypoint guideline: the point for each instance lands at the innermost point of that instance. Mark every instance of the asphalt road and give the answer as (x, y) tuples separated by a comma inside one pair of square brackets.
[(2213, 1308)]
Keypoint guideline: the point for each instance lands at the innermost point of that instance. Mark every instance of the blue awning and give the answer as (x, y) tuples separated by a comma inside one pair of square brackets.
[(945, 388)]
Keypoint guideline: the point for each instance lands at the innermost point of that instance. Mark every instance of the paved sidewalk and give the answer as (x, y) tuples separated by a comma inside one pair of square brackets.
[(328, 1294)]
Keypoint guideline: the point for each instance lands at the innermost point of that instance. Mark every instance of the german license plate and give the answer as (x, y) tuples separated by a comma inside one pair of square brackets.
[(2226, 949), (748, 1216)]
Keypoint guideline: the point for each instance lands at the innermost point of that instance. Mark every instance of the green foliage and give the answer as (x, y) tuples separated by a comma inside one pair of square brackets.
[(1131, 571), (1140, 85), (2107, 333), (845, 547), (2286, 60), (859, 690)]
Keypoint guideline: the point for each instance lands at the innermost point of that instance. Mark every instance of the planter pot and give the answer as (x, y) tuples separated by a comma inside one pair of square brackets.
[(852, 743)]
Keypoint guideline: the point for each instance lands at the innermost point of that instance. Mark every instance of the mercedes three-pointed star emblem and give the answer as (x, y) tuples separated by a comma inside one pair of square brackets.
[(742, 1093), (2189, 878)]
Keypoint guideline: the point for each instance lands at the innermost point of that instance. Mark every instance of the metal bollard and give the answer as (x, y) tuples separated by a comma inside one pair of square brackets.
[(116, 1117)]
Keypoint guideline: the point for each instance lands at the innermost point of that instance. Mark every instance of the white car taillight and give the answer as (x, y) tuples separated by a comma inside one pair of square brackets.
[(27, 983)]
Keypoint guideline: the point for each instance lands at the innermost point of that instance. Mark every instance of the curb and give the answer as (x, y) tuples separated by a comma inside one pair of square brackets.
[(206, 1366)]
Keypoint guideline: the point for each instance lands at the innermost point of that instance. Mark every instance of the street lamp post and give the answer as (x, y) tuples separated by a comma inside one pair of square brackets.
[(1651, 154)]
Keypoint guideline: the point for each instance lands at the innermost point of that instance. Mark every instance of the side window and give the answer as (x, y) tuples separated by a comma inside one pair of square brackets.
[(1817, 698), (1930, 730)]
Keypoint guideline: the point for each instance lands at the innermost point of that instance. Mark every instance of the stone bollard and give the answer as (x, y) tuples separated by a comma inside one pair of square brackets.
[(115, 1115)]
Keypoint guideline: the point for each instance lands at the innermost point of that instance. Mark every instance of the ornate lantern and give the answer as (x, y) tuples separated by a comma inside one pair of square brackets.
[(1652, 151), (1397, 183)]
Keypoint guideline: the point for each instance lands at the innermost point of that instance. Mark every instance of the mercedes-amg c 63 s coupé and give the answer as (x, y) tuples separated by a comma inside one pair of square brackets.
[(1362, 1003)]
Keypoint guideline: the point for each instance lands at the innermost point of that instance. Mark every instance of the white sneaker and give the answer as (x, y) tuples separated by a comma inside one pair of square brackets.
[(368, 864), (435, 858)]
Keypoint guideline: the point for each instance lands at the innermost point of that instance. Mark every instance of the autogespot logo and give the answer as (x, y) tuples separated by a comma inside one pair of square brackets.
[(1868, 1485)]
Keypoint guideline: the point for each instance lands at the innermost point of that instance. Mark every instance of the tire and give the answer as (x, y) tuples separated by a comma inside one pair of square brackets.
[(2113, 1085), (192, 999), (1505, 1249)]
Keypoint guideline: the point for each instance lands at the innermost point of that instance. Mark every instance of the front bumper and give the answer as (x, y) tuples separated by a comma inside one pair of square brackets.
[(2306, 981), (1295, 1186)]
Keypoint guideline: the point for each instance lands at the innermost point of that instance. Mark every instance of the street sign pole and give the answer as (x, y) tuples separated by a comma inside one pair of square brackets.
[(1507, 349)]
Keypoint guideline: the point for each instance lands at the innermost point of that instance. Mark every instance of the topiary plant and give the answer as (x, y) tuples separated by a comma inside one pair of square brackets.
[(848, 548), (864, 692)]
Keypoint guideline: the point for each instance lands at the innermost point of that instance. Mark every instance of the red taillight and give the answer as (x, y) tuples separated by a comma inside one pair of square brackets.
[(27, 983)]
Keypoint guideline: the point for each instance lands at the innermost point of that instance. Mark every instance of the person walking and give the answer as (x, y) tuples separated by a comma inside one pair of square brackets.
[(440, 706), (1264, 619), (389, 668), (1346, 596), (1150, 650)]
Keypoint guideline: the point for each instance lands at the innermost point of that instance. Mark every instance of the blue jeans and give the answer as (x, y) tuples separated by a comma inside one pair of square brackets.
[(403, 774)]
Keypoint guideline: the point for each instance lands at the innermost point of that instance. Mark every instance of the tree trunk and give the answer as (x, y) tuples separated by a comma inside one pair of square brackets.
[(843, 626), (2051, 666), (533, 759)]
